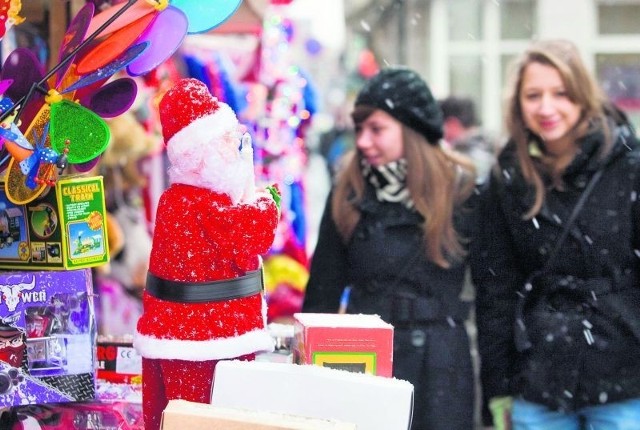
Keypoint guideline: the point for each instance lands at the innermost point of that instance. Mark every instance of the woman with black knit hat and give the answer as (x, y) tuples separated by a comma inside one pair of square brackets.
[(395, 233)]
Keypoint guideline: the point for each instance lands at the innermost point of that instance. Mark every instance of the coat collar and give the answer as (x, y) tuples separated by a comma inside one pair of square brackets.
[(586, 161), (392, 213), (577, 174)]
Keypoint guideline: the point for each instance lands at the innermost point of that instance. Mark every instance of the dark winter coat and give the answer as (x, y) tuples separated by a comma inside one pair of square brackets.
[(390, 276), (572, 337)]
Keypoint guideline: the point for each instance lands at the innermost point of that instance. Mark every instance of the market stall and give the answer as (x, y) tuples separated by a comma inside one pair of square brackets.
[(96, 115)]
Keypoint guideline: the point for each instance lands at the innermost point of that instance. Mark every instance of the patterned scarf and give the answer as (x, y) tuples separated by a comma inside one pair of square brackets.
[(389, 181)]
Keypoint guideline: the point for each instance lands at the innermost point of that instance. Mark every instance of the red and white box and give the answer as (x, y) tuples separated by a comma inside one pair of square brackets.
[(358, 343), (118, 361)]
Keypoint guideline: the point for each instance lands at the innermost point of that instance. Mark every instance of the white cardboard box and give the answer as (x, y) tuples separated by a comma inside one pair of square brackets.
[(182, 415), (371, 402)]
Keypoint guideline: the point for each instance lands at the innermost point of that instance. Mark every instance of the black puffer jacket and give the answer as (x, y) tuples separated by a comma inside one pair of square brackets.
[(576, 339), (390, 276)]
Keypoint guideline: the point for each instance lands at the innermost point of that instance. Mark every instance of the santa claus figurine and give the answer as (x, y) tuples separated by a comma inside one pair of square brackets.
[(203, 299)]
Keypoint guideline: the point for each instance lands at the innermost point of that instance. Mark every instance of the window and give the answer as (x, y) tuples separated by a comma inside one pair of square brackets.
[(465, 76), (517, 19), (618, 17), (619, 76), (465, 20)]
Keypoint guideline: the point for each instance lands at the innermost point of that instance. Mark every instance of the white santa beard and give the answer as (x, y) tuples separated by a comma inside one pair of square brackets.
[(206, 154), (217, 174)]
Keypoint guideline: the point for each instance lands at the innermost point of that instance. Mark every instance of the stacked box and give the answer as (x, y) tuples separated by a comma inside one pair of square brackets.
[(181, 414), (63, 229), (47, 337), (118, 362), (357, 343), (366, 401)]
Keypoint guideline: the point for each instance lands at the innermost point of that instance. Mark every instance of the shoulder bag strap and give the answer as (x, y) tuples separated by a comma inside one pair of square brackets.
[(574, 214), (521, 337)]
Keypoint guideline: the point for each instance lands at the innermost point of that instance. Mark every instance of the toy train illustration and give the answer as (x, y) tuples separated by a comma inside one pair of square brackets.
[(86, 244)]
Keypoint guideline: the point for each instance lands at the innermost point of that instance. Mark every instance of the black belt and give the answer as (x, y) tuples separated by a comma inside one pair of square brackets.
[(199, 292), (409, 309)]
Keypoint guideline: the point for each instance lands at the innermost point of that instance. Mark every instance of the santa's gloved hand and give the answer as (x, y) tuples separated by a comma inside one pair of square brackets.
[(275, 193), (500, 408)]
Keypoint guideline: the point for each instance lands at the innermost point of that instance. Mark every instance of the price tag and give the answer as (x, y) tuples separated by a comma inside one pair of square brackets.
[(128, 361)]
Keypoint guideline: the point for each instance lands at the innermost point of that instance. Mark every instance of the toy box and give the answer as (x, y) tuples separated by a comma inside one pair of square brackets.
[(63, 229), (369, 402), (75, 416), (358, 343), (48, 335), (118, 361)]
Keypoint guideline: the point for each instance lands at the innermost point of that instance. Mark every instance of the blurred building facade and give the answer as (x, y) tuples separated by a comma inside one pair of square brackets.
[(464, 47)]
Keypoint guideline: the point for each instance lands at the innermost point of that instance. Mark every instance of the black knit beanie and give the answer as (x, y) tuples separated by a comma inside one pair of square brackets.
[(404, 95)]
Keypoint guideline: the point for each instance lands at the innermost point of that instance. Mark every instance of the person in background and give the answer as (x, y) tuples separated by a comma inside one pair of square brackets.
[(459, 118), (337, 141), (395, 232), (557, 270), (463, 133)]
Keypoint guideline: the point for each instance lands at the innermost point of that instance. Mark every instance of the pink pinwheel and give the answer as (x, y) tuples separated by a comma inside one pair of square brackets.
[(162, 23)]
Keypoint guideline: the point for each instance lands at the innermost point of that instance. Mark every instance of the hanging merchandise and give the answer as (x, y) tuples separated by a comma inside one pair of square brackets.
[(60, 131), (55, 221), (215, 70), (284, 283), (151, 87), (65, 228), (55, 131), (120, 284), (281, 106), (161, 25), (160, 22)]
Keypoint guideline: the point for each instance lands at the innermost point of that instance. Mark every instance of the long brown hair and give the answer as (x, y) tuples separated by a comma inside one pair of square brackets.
[(438, 180), (581, 89)]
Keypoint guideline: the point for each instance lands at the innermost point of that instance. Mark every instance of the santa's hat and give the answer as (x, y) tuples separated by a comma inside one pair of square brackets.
[(188, 111)]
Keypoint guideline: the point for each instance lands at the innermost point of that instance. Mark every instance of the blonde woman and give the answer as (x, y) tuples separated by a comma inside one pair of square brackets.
[(557, 268)]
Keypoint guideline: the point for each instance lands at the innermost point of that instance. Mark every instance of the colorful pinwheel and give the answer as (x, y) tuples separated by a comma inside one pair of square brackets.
[(67, 127), (41, 157), (65, 119), (62, 111), (162, 23)]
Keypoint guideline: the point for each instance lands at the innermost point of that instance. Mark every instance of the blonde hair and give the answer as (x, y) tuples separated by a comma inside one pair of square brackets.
[(438, 181), (581, 89)]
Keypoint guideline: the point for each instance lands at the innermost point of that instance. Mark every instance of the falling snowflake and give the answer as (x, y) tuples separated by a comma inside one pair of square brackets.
[(588, 336)]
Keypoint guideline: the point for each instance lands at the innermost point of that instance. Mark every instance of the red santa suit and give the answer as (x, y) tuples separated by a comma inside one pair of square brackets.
[(211, 228)]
